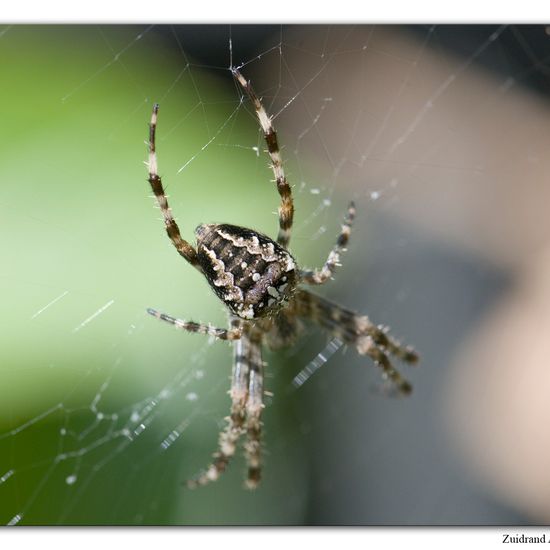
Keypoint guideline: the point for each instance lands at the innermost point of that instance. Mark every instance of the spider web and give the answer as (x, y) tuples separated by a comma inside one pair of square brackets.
[(104, 411)]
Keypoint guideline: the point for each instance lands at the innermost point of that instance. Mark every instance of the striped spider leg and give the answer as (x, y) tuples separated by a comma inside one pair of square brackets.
[(246, 408), (350, 327), (172, 229), (357, 330), (286, 210), (257, 279)]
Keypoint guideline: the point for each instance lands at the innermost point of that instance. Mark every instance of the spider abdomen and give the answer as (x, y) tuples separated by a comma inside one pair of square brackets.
[(250, 273)]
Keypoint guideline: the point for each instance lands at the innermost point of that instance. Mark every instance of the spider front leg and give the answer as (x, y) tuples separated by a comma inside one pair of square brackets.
[(358, 331), (320, 276), (286, 210), (172, 229), (235, 422)]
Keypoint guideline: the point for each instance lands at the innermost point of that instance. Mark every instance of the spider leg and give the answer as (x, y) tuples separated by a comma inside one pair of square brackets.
[(235, 422), (320, 276), (172, 229), (191, 326), (286, 210), (254, 408), (358, 331)]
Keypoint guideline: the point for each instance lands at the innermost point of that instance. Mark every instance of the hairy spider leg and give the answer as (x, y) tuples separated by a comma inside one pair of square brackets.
[(172, 229), (199, 328), (320, 276), (236, 421), (286, 210), (358, 331), (254, 408)]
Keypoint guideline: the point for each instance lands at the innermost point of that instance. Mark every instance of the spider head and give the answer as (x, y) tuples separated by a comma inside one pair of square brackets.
[(250, 273)]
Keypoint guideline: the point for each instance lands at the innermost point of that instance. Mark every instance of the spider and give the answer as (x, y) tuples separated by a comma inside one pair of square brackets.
[(259, 282)]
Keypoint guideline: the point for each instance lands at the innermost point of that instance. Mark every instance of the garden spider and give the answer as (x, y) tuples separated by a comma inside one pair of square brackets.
[(258, 281)]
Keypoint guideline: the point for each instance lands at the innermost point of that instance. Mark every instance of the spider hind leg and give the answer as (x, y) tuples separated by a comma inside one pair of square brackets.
[(358, 331), (230, 436), (246, 410), (254, 408)]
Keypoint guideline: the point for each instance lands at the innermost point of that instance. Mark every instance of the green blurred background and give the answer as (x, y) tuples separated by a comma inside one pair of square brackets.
[(80, 234)]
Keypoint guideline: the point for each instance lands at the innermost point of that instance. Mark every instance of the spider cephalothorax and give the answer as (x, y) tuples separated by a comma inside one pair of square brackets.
[(250, 273), (257, 279)]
